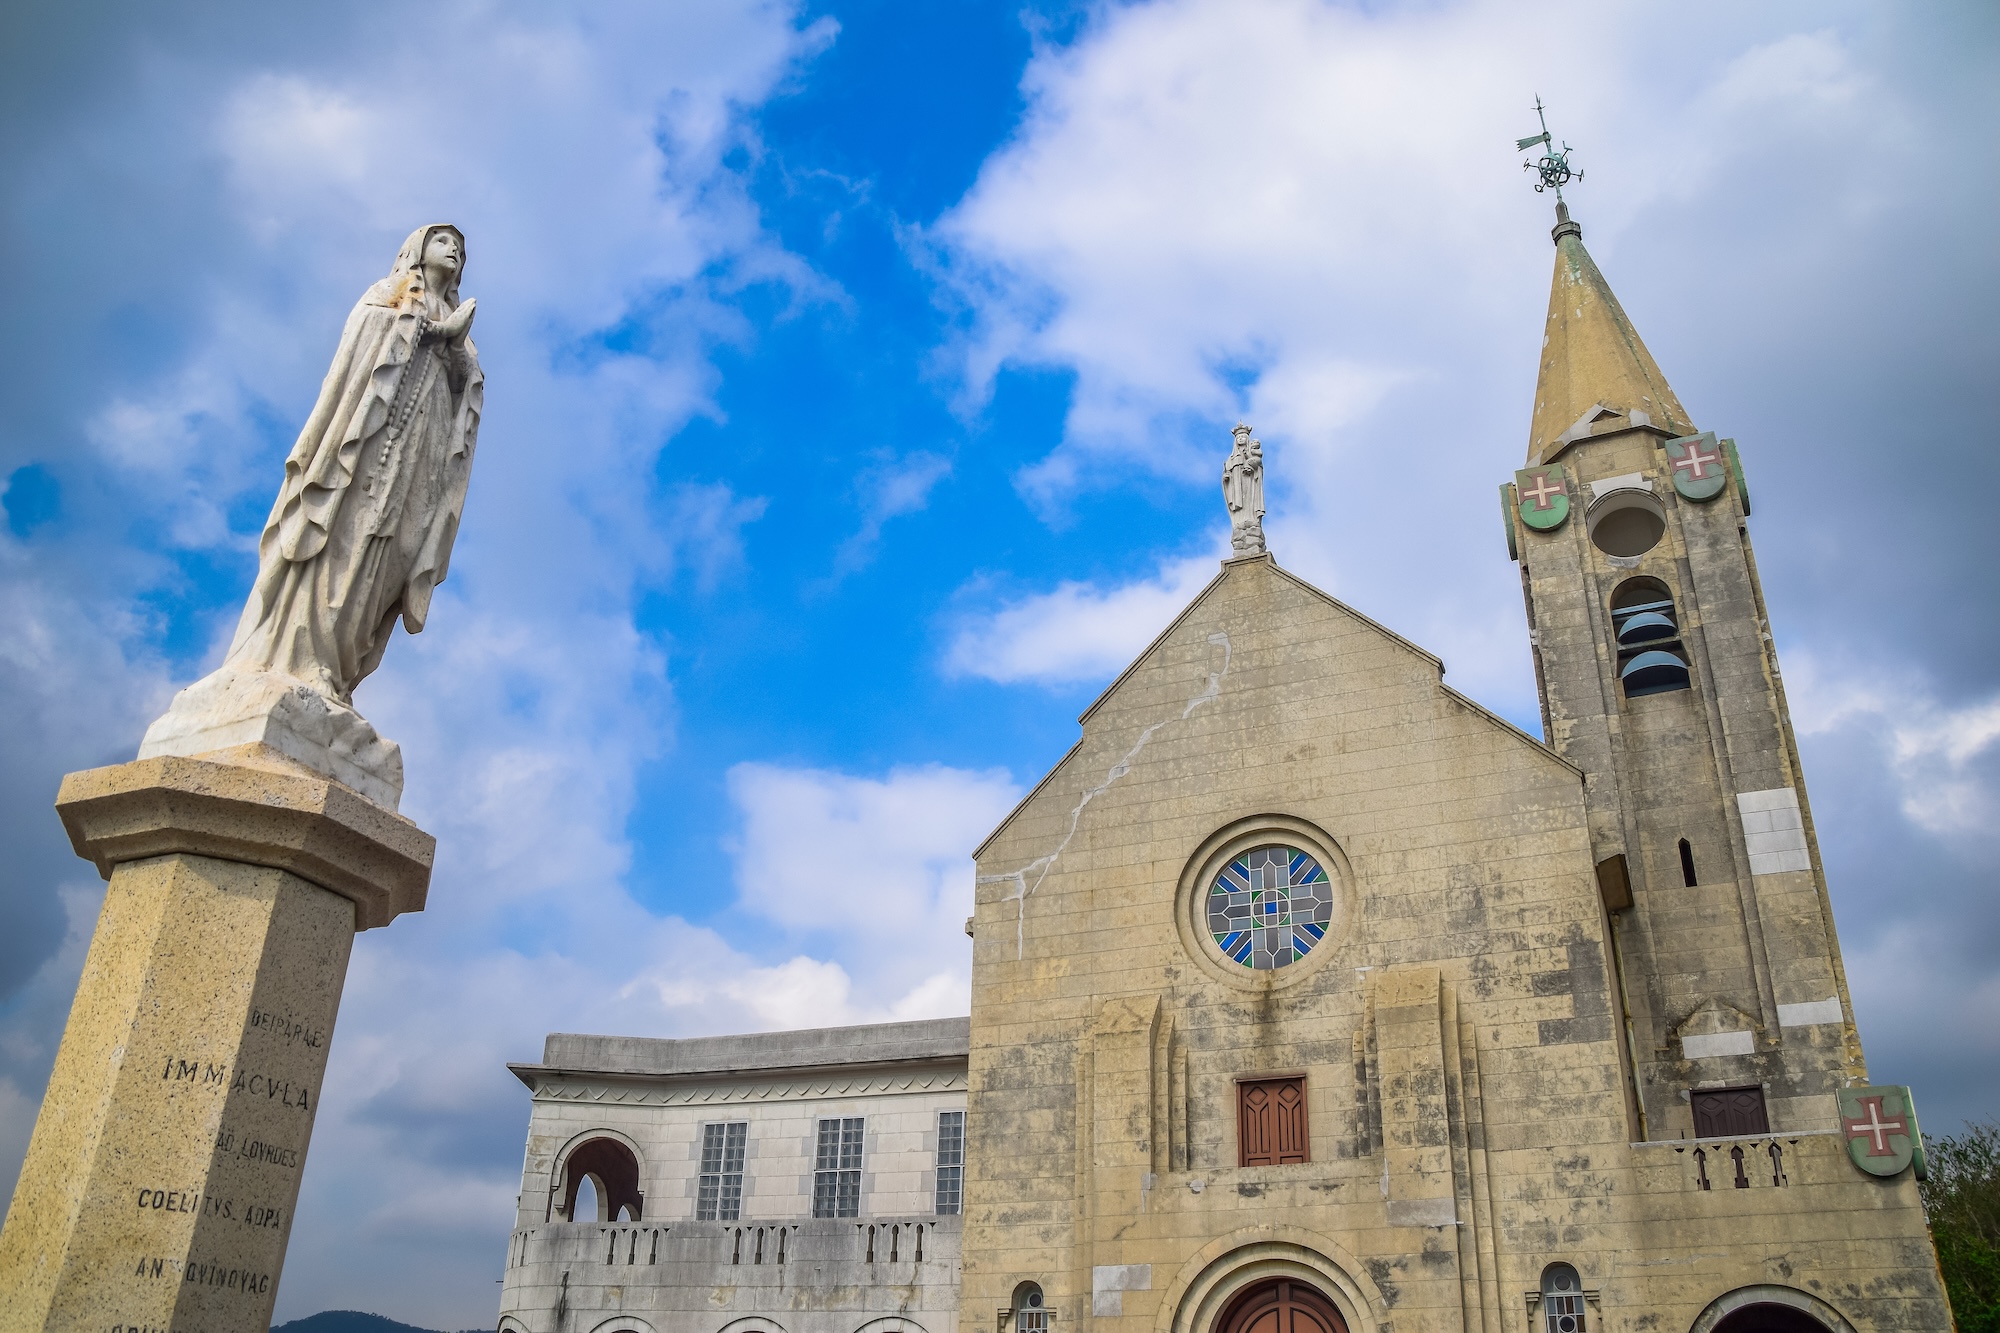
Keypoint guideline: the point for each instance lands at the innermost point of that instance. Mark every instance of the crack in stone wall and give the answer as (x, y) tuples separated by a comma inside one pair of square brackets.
[(1042, 865)]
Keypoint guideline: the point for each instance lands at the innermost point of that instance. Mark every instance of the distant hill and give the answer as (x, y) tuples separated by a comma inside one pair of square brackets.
[(351, 1321)]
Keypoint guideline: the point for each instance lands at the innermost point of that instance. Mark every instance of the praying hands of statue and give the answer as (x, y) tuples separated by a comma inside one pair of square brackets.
[(451, 330)]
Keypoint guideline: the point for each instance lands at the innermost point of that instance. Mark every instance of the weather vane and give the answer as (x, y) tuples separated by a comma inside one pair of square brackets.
[(1553, 167)]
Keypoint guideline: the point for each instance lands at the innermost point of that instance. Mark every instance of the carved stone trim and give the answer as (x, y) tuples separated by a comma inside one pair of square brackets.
[(257, 807)]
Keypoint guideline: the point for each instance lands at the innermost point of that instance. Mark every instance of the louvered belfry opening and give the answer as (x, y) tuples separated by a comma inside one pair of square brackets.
[(1647, 628)]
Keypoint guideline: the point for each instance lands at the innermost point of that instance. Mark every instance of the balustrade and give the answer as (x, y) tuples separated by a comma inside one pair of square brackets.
[(879, 1244)]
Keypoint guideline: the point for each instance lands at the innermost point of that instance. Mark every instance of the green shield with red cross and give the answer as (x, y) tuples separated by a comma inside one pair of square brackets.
[(1544, 497), (1880, 1126), (1700, 467)]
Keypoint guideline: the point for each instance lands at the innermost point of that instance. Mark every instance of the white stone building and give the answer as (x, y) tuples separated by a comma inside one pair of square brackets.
[(791, 1182)]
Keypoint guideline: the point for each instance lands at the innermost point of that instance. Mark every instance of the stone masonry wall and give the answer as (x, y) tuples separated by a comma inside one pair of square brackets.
[(1470, 1110), (1745, 961)]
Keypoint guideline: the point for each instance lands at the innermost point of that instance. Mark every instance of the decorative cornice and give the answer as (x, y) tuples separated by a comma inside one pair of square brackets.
[(565, 1089)]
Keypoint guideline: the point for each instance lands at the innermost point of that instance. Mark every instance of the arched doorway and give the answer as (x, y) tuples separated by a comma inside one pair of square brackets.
[(1281, 1305), (1769, 1319), (1769, 1308)]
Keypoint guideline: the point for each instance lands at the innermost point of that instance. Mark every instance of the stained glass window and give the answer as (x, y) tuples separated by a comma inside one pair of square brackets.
[(1562, 1299), (1270, 906), (1030, 1315)]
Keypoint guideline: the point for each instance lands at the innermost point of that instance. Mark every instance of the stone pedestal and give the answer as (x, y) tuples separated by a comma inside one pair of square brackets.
[(159, 1185)]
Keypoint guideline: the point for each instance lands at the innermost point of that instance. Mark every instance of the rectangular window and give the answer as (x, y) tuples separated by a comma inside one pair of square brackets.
[(951, 1163), (719, 1196), (837, 1169), (1271, 1122), (1721, 1113)]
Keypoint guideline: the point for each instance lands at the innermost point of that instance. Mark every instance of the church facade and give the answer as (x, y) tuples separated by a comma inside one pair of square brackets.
[(1311, 997)]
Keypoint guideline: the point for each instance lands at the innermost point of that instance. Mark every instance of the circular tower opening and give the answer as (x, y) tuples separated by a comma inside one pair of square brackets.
[(1627, 523)]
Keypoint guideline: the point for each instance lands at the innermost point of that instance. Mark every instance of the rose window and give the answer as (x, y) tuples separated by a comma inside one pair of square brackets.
[(1270, 906)]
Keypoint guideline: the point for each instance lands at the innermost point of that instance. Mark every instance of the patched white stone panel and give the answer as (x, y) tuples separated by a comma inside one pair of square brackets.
[(1422, 1213), (1630, 481), (1121, 1277), (1809, 1012), (1774, 830), (1110, 1282), (1718, 1043)]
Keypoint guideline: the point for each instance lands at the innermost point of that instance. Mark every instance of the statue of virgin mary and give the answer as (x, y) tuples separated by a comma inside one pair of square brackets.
[(1243, 494), (360, 535)]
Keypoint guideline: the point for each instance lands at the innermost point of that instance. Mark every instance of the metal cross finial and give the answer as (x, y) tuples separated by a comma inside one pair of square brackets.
[(1553, 167)]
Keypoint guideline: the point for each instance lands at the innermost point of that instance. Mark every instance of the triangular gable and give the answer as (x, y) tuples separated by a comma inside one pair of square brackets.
[(1229, 567)]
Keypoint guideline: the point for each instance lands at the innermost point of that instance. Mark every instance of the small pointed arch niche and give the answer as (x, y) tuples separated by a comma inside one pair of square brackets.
[(1646, 628)]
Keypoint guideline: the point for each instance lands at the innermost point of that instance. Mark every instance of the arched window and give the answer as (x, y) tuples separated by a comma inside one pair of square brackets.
[(613, 1173), (1030, 1315), (1651, 659), (1562, 1299), (1687, 864)]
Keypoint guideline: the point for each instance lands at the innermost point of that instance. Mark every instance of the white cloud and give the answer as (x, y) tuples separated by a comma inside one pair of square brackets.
[(32, 1021), (1291, 205), (878, 869), (1811, 73), (801, 992), (1310, 215), (287, 136), (890, 489), (707, 521), (81, 682), (1077, 631), (1208, 194), (183, 444), (881, 865), (1943, 759)]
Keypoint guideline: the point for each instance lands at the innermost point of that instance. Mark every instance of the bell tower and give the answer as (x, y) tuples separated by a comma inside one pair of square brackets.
[(1658, 678)]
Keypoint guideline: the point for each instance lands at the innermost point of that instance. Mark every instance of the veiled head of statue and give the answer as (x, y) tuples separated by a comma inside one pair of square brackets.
[(408, 277)]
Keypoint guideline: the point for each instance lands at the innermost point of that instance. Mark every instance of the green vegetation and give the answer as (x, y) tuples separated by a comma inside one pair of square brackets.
[(1962, 1202)]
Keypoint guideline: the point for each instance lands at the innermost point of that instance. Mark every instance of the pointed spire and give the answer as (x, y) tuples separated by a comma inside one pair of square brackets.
[(1592, 358)]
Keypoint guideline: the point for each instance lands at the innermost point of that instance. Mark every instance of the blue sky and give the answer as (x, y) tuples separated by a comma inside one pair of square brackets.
[(858, 378)]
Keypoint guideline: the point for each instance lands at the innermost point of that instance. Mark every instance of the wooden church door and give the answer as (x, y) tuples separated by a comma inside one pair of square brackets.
[(1281, 1306)]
